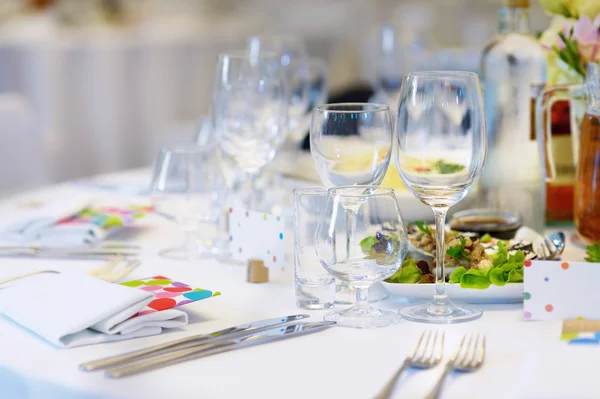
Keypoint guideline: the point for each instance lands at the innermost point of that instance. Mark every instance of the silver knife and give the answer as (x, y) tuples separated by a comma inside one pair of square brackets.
[(221, 335), (274, 334), (79, 253)]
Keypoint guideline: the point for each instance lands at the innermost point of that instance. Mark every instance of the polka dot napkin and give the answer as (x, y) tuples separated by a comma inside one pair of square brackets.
[(168, 293)]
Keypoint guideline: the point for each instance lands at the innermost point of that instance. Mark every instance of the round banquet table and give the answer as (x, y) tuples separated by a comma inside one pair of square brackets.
[(525, 359)]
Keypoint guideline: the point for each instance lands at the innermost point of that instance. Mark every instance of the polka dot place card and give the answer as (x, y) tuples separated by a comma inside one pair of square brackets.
[(256, 235), (559, 290)]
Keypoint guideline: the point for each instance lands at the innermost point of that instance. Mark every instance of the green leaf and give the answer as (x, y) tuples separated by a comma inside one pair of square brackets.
[(367, 242), (477, 279), (408, 273), (457, 274), (454, 252), (486, 238), (500, 257), (423, 227), (445, 168), (518, 257), (458, 251), (593, 253), (515, 277), (498, 277)]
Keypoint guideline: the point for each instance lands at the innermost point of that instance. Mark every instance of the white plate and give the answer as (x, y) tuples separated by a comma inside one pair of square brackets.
[(509, 293)]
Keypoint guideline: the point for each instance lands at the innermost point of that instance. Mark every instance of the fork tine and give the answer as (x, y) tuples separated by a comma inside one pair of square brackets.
[(455, 354), (440, 350), (471, 361), (465, 353), (481, 355), (423, 350), (414, 351), (428, 355)]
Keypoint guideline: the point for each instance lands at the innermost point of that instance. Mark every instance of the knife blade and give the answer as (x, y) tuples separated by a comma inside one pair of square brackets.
[(79, 253), (220, 335), (272, 335)]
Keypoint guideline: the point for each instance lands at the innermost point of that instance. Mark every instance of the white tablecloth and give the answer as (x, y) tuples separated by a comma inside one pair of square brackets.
[(524, 359)]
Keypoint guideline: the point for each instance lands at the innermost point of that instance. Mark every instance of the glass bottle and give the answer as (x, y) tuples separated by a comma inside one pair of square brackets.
[(513, 71)]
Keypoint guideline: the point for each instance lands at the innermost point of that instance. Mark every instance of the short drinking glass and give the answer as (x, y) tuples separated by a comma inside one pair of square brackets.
[(372, 251), (315, 287)]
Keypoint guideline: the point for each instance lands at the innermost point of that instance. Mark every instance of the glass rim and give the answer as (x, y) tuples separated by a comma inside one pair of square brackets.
[(380, 191), (375, 107), (188, 148), (245, 55), (311, 191), (442, 74)]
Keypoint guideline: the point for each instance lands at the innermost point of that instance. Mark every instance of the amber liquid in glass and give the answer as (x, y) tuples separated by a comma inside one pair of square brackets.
[(559, 191), (587, 187)]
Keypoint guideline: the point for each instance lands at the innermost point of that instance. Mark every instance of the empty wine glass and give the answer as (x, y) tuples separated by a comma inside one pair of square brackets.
[(188, 187), (351, 144), (441, 150), (374, 250), (291, 53), (249, 112)]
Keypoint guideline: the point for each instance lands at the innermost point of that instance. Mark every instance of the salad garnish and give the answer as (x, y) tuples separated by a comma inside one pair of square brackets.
[(458, 251), (445, 168), (424, 227), (593, 253)]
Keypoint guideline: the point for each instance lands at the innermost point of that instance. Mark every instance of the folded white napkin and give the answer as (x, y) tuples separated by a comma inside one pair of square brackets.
[(74, 309), (36, 225)]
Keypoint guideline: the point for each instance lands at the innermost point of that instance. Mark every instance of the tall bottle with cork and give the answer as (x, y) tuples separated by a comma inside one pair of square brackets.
[(513, 72)]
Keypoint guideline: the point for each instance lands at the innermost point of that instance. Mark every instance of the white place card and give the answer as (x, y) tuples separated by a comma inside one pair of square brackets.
[(559, 290), (257, 235)]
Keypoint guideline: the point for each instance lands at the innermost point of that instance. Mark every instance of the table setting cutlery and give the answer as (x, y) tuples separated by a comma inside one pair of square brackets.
[(109, 271), (266, 331), (227, 333), (38, 251), (426, 354), (467, 358)]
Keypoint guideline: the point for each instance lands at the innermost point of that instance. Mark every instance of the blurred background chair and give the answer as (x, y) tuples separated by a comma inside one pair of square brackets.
[(21, 147)]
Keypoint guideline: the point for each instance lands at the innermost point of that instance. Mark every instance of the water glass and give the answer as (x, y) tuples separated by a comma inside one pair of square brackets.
[(369, 252), (189, 188), (315, 287)]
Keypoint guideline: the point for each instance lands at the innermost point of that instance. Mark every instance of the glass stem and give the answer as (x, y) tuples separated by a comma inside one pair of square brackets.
[(362, 298), (440, 296), (251, 191), (190, 244), (350, 232)]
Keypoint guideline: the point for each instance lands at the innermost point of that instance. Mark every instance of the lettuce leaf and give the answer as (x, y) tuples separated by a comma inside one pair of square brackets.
[(477, 279), (498, 277), (367, 242), (515, 277), (457, 274), (408, 273)]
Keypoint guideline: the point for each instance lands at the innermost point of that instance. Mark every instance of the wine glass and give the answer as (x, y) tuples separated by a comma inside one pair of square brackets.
[(351, 145), (188, 187), (441, 139), (374, 252), (249, 112), (291, 53)]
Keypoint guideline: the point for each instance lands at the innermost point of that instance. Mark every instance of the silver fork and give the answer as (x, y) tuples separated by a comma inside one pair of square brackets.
[(467, 358), (423, 356)]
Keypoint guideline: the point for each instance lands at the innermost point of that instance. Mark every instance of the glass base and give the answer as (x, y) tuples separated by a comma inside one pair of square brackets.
[(440, 312), (363, 317), (346, 295), (184, 254)]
